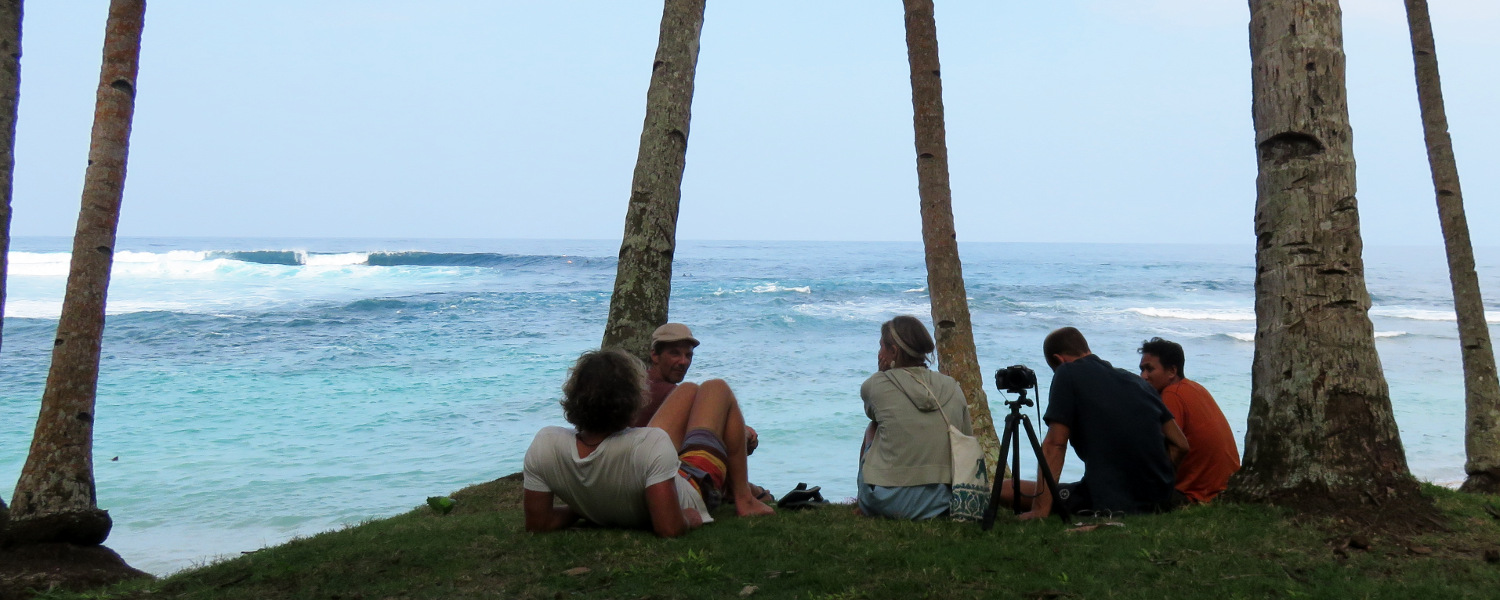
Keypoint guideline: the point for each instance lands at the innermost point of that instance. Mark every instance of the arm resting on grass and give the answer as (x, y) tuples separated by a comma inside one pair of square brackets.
[(541, 516), (1177, 444), (1055, 450), (668, 518)]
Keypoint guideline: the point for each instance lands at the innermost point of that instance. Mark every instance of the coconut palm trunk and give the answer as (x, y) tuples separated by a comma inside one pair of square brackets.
[(10, 96), (55, 498), (1321, 433), (945, 279), (643, 277), (1481, 389)]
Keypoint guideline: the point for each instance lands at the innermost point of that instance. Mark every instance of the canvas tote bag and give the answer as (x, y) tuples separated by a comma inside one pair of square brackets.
[(971, 480)]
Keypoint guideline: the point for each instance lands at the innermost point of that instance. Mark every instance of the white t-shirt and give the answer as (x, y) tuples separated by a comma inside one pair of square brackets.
[(608, 487)]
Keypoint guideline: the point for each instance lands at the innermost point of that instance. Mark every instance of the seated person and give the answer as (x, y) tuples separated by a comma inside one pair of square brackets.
[(1117, 425), (1205, 471), (672, 347), (906, 466), (665, 478)]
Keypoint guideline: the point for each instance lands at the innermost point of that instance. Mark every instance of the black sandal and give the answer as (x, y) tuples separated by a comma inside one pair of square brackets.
[(802, 497)]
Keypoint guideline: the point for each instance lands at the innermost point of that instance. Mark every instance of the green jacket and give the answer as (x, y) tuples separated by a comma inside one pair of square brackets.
[(911, 437)]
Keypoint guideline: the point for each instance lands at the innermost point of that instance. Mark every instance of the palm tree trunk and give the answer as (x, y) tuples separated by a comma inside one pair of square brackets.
[(1321, 433), (945, 279), (55, 499), (643, 277), (1481, 389), (10, 98)]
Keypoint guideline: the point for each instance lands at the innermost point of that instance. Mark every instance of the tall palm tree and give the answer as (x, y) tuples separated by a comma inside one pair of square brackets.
[(10, 96), (643, 277), (55, 498), (1481, 389), (1321, 432), (945, 279)]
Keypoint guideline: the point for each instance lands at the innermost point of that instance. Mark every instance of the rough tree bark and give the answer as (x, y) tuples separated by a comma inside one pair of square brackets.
[(10, 98), (1481, 388), (643, 277), (957, 357), (1321, 433), (55, 498)]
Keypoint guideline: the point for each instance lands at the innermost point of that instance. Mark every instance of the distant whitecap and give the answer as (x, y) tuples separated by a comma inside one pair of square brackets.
[(1195, 315)]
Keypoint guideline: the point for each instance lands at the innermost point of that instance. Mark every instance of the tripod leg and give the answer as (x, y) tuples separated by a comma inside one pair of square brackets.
[(1046, 469), (1015, 470), (1005, 443)]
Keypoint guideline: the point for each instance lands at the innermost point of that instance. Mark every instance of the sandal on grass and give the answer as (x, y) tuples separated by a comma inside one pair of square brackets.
[(802, 497)]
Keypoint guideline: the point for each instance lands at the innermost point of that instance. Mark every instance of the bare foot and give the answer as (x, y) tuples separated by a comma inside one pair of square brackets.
[(750, 507)]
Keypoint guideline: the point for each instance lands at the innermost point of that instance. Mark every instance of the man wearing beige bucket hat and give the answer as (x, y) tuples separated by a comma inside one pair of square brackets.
[(671, 355)]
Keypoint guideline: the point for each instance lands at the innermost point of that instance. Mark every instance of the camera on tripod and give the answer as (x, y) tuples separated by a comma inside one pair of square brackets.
[(1015, 379)]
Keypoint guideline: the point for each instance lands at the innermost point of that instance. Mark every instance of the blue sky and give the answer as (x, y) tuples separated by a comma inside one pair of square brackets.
[(1070, 121)]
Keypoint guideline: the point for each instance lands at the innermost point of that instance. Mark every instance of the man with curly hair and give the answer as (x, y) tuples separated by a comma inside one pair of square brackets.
[(665, 478)]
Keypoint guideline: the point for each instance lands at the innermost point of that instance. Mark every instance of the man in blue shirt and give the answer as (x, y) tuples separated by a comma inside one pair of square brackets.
[(1117, 425)]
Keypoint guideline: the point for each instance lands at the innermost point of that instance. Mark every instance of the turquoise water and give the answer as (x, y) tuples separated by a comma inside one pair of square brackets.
[(254, 390)]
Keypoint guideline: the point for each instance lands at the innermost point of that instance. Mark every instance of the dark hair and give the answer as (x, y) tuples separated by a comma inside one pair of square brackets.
[(604, 390), (1067, 340), (1168, 352), (910, 338)]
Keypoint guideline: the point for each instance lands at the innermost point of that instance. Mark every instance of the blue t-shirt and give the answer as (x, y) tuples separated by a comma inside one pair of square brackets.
[(1114, 420)]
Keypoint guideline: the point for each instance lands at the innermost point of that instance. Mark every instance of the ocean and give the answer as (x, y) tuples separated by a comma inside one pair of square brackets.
[(253, 390)]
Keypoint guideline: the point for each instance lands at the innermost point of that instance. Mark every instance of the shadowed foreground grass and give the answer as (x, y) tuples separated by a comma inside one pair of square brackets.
[(1220, 552)]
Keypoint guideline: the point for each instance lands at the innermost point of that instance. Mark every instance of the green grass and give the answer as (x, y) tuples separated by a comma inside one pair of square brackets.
[(1221, 552)]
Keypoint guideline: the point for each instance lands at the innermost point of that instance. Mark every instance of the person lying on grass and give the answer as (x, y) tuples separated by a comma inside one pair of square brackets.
[(666, 477)]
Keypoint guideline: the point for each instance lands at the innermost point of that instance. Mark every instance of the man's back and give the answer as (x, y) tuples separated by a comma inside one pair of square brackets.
[(1114, 420), (1213, 456), (608, 486)]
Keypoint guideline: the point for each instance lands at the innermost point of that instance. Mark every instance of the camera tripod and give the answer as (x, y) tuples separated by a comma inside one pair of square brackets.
[(1010, 443)]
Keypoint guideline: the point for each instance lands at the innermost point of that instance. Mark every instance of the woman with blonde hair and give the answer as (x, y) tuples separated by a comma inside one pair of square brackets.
[(905, 464)]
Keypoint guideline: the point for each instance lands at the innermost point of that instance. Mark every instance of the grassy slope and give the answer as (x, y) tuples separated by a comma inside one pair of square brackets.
[(1220, 552)]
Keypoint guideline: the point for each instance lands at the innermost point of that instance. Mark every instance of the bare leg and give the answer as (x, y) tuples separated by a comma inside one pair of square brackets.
[(672, 417), (1028, 489), (714, 408)]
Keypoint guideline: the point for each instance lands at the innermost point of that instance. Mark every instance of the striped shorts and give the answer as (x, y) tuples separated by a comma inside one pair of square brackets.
[(702, 463)]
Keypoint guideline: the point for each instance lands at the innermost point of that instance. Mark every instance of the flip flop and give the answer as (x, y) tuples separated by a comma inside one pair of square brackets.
[(802, 497)]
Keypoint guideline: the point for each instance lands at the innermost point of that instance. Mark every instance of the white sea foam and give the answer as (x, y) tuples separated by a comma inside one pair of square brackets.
[(915, 290), (1390, 334), (1195, 315), (874, 311), (351, 258), (1418, 314), (772, 288)]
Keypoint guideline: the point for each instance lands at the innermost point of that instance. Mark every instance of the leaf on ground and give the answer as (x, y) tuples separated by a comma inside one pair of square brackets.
[(576, 571), (442, 504), (749, 589), (1084, 528)]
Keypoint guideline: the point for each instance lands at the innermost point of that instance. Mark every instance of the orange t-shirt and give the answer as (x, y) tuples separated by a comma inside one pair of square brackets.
[(1212, 453)]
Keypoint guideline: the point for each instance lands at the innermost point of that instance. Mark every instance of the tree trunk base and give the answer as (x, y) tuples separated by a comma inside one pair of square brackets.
[(26, 571), (1483, 482), (1389, 506), (81, 528)]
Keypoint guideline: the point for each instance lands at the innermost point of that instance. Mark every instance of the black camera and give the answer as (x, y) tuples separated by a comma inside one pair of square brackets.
[(1015, 379)]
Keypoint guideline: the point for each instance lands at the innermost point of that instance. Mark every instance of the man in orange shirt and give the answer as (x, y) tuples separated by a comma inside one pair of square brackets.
[(1213, 455)]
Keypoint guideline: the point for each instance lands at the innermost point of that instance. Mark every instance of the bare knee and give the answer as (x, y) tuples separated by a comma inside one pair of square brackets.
[(717, 386)]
